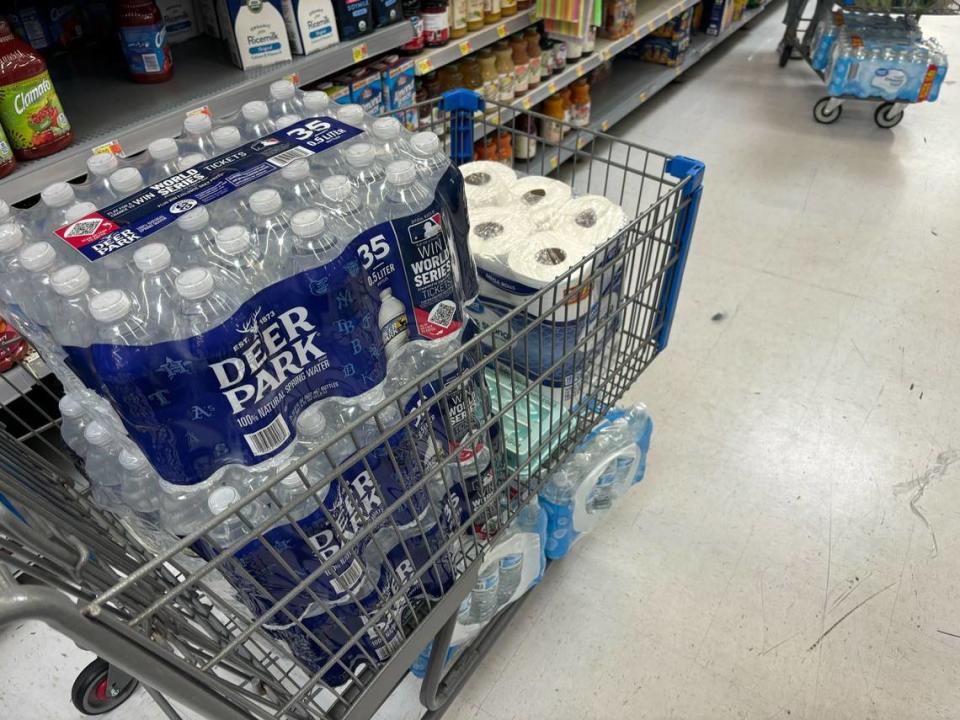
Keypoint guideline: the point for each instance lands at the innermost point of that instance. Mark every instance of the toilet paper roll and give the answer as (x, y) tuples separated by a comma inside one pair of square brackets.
[(487, 183), (495, 231), (591, 216), (539, 198)]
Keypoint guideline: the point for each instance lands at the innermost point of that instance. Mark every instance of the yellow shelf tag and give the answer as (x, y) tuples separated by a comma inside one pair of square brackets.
[(642, 97), (553, 162), (466, 48), (360, 52), (525, 103), (424, 66), (501, 31), (580, 71), (294, 78), (202, 110), (112, 147), (604, 125)]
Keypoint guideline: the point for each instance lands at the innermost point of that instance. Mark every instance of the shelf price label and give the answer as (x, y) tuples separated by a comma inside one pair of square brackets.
[(642, 97), (112, 147), (604, 126), (202, 110), (651, 26), (501, 31), (605, 54), (553, 162), (360, 52), (466, 48), (424, 66), (293, 77), (551, 87), (525, 103), (580, 70)]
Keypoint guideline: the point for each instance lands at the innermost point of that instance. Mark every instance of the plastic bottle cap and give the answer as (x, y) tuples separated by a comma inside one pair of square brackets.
[(70, 407), (255, 111), (307, 223), (386, 128), (372, 398), (222, 498), (197, 124), (335, 187), (194, 283), (102, 164), (360, 155), (400, 172), (69, 281), (266, 202), (78, 210), (286, 121), (315, 101), (282, 90), (58, 195), (311, 422), (189, 160), (11, 237), (293, 482), (194, 220), (152, 257), (425, 143), (163, 149), (126, 180), (38, 256), (351, 114), (131, 460), (233, 240), (226, 137), (98, 434), (110, 305), (297, 170)]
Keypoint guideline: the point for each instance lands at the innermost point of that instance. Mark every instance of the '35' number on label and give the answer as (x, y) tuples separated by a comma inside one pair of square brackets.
[(373, 251)]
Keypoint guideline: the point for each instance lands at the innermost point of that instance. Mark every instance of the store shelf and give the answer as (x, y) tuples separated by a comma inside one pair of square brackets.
[(629, 86), (104, 106), (18, 380), (456, 49)]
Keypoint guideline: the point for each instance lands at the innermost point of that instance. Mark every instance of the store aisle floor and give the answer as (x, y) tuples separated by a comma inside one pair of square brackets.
[(794, 551)]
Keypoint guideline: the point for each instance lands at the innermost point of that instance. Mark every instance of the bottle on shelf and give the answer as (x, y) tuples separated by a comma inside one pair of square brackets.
[(525, 139), (30, 111), (8, 163), (521, 65), (534, 73), (524, 5), (491, 78), (198, 134), (458, 18), (412, 11), (552, 130), (472, 74), (505, 148), (436, 23), (486, 149), (474, 15), (581, 103), (143, 38), (567, 96), (491, 11), (505, 70), (508, 8)]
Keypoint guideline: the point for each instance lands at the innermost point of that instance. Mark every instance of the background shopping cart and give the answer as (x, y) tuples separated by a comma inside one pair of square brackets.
[(170, 620)]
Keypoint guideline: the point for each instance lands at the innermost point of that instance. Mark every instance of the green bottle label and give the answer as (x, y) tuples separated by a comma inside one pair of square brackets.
[(31, 112)]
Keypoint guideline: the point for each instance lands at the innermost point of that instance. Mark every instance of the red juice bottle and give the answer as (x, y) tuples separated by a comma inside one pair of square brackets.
[(143, 37), (30, 111)]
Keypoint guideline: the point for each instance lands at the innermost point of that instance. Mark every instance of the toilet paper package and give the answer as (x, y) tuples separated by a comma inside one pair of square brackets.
[(494, 232), (487, 184), (539, 198), (596, 220)]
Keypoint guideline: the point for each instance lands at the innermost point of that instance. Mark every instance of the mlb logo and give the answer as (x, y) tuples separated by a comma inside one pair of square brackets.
[(426, 230)]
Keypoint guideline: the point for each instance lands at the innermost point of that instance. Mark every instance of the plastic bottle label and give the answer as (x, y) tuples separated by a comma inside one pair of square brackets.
[(145, 49), (31, 112), (506, 87), (491, 7), (436, 28), (6, 155), (521, 78), (475, 11), (533, 71)]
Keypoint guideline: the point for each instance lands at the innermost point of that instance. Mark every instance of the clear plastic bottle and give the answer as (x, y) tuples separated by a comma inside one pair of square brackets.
[(483, 599), (392, 319), (56, 198), (235, 526), (73, 324), (352, 114), (284, 100), (140, 490), (428, 155), (367, 174), (347, 217), (203, 305), (315, 103), (511, 566), (73, 423), (312, 431), (239, 260), (101, 467), (39, 260), (404, 194), (100, 166), (285, 121), (12, 275), (126, 181), (198, 135), (197, 238), (164, 155), (226, 138), (117, 318), (256, 117), (157, 289), (390, 143), (78, 210), (190, 160), (301, 189), (271, 226), (313, 245)]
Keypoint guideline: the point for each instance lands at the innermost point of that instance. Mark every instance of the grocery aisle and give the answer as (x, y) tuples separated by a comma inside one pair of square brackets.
[(803, 405)]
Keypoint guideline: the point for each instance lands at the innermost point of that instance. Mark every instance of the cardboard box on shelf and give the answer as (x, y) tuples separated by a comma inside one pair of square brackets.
[(398, 80), (717, 15), (311, 25), (254, 32), (180, 19)]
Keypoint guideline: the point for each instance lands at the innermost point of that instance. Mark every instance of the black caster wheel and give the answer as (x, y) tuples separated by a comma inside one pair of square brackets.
[(92, 694), (821, 115), (785, 52), (886, 117)]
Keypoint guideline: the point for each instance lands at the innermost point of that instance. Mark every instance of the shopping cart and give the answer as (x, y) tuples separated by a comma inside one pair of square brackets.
[(167, 619)]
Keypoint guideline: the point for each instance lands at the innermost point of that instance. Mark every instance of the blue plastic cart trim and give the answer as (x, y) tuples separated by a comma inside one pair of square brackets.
[(681, 167), (462, 106)]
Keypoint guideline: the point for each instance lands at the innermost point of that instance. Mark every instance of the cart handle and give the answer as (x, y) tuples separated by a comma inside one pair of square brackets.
[(462, 105)]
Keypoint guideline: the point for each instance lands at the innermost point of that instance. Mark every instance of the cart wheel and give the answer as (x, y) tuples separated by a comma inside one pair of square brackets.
[(91, 693), (820, 112), (885, 116), (785, 52)]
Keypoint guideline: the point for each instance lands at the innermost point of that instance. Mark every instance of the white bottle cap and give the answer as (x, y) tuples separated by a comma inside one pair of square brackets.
[(70, 407), (152, 257), (58, 195), (311, 422), (373, 398), (131, 459), (11, 237), (360, 155), (102, 164), (221, 499), (194, 220), (307, 223), (386, 128), (266, 202), (195, 283), (97, 434), (189, 160), (286, 121), (126, 180), (255, 111), (316, 101), (163, 149), (401, 172), (226, 137), (78, 210), (282, 90), (293, 482), (38, 256), (110, 305), (197, 123), (69, 281), (335, 187), (233, 240), (425, 143), (297, 170), (351, 114)]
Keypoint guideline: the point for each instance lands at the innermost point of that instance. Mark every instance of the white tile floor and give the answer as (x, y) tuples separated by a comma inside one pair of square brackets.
[(795, 549)]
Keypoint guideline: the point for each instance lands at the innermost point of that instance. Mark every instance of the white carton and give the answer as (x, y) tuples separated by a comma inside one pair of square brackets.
[(180, 19), (206, 11), (311, 25), (254, 32)]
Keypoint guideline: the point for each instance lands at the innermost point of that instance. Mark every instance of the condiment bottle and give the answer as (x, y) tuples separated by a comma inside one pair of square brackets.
[(436, 24), (458, 18), (525, 139), (474, 15), (491, 11), (532, 38), (581, 103), (505, 149), (508, 8), (552, 130), (486, 149), (143, 38), (521, 65), (505, 70), (491, 82)]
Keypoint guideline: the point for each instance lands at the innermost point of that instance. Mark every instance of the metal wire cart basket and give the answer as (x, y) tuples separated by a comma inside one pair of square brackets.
[(156, 612)]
